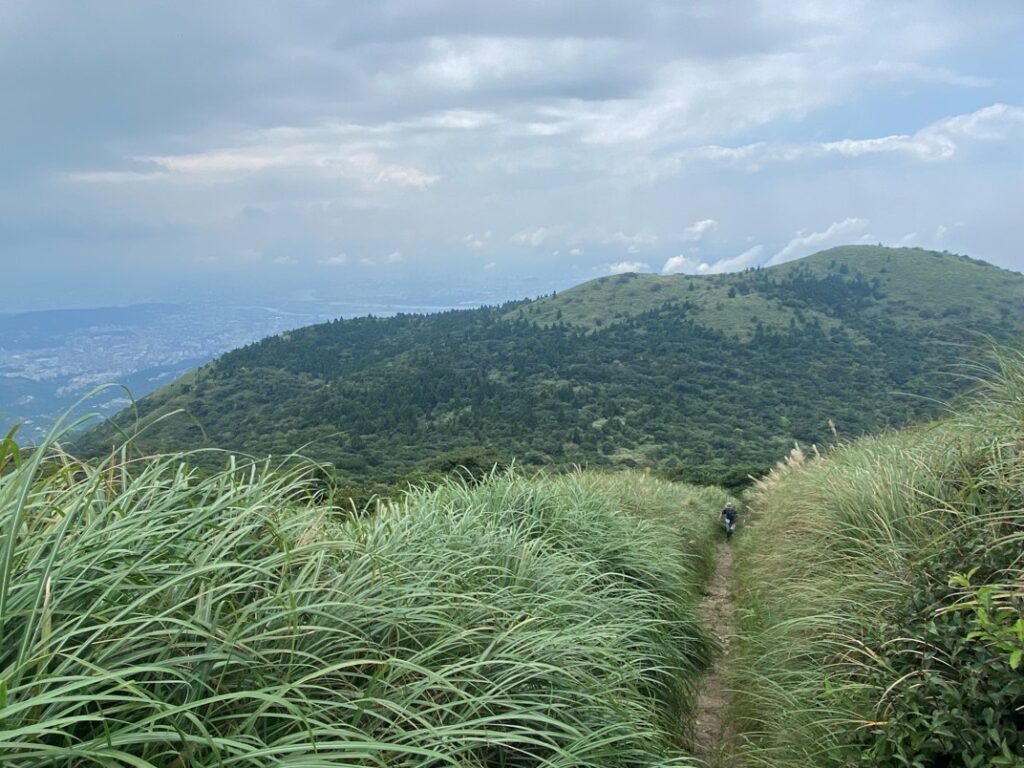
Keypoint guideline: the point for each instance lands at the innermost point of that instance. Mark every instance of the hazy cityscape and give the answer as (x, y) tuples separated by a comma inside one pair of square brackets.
[(50, 359)]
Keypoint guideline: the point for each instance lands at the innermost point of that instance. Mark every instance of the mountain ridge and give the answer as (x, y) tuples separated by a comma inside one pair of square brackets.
[(832, 340)]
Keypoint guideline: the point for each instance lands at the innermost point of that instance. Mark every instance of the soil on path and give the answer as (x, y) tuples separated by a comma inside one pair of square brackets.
[(718, 611)]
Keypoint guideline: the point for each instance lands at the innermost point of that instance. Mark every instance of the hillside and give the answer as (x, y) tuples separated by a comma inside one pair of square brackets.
[(703, 378), (154, 617), (882, 592), (913, 287)]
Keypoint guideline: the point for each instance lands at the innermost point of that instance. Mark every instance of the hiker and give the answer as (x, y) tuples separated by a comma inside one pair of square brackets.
[(729, 516)]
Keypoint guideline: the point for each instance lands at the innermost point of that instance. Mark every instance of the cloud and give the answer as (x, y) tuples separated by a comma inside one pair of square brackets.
[(940, 139), (407, 177), (477, 242), (997, 122), (395, 257), (331, 150), (692, 266), (922, 146), (806, 243), (683, 264), (937, 141), (602, 119), (699, 229), (337, 260), (624, 267), (532, 237), (633, 243)]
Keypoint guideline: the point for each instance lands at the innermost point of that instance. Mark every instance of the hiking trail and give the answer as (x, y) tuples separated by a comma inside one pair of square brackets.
[(718, 612)]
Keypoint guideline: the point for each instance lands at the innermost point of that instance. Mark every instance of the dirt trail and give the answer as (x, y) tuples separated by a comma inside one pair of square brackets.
[(718, 612)]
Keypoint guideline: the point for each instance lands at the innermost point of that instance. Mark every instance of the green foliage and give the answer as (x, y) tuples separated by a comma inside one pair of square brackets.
[(669, 382), (155, 616), (997, 619), (956, 698), (881, 587)]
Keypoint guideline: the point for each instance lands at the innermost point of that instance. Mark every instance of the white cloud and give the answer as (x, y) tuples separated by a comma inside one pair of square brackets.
[(338, 260), (806, 243), (938, 141), (407, 177), (934, 142), (993, 123), (284, 261), (490, 265), (699, 229), (395, 257), (455, 119), (633, 243), (115, 177), (922, 145), (693, 266), (576, 252), (325, 150), (682, 264), (624, 267), (532, 237)]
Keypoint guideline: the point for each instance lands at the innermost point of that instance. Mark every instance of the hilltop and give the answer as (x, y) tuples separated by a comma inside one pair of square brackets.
[(701, 377), (913, 287)]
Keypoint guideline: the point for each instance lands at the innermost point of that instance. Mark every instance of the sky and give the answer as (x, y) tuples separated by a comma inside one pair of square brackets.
[(444, 149)]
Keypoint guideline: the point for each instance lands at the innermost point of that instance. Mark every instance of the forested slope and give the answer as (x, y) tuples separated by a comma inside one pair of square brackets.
[(705, 378)]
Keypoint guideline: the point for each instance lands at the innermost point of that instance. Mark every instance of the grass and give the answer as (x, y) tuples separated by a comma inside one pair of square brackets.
[(154, 617), (913, 281), (860, 643)]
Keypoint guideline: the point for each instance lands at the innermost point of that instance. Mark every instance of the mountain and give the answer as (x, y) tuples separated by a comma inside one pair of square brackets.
[(700, 377)]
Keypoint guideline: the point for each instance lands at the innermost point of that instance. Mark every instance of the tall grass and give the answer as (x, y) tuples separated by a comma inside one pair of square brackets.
[(860, 645), (154, 617)]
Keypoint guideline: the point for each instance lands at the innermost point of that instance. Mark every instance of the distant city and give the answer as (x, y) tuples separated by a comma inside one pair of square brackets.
[(50, 359)]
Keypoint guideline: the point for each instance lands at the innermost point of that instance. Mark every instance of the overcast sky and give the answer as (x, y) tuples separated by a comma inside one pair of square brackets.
[(153, 148)]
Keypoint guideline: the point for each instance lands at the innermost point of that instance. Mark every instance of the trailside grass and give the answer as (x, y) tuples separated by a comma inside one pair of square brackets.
[(152, 616), (882, 596)]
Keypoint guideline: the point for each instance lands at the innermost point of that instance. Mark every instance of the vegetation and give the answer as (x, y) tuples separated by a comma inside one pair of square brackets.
[(909, 287), (707, 379), (883, 594), (155, 617)]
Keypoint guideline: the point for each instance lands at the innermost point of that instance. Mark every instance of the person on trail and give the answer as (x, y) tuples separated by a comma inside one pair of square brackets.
[(729, 516)]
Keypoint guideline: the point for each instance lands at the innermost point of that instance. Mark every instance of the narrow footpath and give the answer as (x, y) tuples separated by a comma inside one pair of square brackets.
[(718, 612)]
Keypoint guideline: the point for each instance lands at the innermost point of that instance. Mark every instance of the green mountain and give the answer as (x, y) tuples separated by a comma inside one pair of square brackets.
[(700, 377)]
